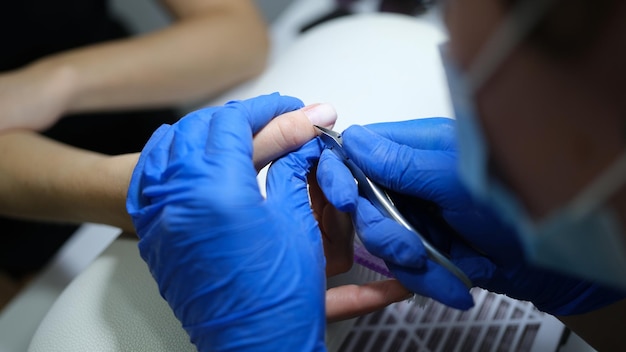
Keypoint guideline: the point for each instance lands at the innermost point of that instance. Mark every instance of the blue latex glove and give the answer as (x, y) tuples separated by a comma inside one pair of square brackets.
[(240, 272), (418, 160)]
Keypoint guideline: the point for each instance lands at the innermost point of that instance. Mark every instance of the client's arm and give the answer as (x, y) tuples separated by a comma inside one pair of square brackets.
[(46, 180), (211, 46)]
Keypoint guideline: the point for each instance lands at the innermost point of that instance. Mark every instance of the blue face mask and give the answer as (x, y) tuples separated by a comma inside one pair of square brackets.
[(583, 238)]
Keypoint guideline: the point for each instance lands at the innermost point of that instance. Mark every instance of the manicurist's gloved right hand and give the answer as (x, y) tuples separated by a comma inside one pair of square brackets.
[(418, 161), (241, 273)]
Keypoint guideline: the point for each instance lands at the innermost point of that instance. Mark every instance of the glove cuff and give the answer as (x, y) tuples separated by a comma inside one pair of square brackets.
[(587, 297)]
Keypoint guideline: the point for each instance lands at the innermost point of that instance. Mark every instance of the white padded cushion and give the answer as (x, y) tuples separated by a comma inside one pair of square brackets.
[(370, 67), (114, 305)]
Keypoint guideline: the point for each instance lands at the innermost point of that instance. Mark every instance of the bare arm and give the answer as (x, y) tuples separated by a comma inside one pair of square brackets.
[(603, 329), (46, 180), (212, 45)]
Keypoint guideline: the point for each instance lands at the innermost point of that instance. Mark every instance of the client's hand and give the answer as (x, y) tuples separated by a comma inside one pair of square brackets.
[(285, 133), (347, 301)]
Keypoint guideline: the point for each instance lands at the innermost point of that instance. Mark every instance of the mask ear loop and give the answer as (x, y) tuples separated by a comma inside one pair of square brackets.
[(600, 189), (516, 25)]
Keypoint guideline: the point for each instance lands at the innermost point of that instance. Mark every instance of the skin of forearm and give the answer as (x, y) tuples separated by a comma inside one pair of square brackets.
[(201, 54), (603, 329), (45, 180), (42, 179)]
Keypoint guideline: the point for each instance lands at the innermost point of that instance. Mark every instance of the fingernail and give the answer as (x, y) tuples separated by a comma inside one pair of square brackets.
[(321, 114)]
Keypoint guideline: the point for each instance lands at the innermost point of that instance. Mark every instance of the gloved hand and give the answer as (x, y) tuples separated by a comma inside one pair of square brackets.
[(418, 160), (239, 271)]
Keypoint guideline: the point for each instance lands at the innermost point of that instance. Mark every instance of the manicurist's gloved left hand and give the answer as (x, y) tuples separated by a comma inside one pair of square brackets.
[(417, 159), (240, 272)]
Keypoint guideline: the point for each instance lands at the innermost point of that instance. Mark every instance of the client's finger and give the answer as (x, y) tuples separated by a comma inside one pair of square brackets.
[(349, 301), (289, 131), (338, 242), (337, 230)]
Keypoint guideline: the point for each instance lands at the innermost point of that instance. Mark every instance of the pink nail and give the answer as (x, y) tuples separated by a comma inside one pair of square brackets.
[(323, 115)]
